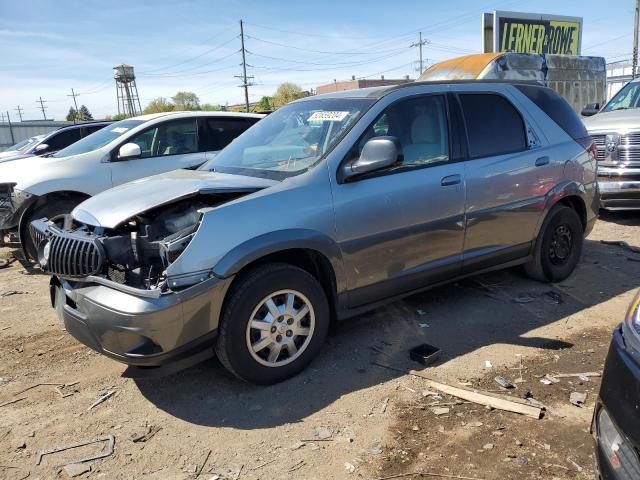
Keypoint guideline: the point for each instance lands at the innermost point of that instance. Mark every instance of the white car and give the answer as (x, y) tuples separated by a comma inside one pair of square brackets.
[(20, 147), (51, 186)]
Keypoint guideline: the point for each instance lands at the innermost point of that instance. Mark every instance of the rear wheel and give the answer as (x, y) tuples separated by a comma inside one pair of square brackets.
[(274, 323), (54, 210), (558, 247)]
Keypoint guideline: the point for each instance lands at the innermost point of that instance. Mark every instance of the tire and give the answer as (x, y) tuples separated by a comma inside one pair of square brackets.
[(53, 209), (252, 353), (558, 247)]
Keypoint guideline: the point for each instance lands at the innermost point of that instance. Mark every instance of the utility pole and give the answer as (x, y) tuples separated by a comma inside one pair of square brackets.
[(419, 45), (74, 95), (13, 140), (634, 69), (19, 110), (42, 107), (245, 83)]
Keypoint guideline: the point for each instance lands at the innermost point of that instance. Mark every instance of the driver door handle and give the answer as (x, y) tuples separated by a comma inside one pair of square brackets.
[(451, 180), (542, 161)]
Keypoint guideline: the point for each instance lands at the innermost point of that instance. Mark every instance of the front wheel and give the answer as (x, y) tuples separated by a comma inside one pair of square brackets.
[(558, 247), (274, 322)]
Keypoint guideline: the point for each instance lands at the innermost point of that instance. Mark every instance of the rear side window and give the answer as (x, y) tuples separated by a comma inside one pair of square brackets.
[(556, 108), (63, 139), (494, 126), (217, 133)]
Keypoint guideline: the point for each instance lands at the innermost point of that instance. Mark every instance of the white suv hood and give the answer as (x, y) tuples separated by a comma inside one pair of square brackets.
[(616, 121)]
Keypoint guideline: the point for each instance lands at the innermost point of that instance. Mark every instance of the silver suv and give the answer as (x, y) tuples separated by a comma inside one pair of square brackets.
[(324, 209), (616, 131)]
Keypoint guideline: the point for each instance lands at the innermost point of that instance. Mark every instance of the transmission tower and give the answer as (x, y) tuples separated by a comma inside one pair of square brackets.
[(243, 77), (420, 44)]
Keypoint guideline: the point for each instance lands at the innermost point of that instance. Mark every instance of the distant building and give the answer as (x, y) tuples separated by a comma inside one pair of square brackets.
[(354, 83), (618, 74)]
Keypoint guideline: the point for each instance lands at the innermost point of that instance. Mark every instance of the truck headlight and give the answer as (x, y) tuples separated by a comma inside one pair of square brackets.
[(620, 455)]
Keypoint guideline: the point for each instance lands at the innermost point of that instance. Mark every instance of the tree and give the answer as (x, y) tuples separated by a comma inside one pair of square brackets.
[(72, 115), (208, 107), (264, 104), (116, 117), (186, 101), (286, 92), (84, 114), (159, 105)]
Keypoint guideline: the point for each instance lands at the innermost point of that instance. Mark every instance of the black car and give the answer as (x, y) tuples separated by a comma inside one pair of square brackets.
[(60, 138), (616, 420)]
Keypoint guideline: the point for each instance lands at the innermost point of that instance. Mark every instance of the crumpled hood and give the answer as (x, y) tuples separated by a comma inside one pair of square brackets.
[(616, 121), (112, 207)]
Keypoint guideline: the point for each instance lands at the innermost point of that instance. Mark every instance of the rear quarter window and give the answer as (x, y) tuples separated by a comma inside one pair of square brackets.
[(494, 126), (556, 108)]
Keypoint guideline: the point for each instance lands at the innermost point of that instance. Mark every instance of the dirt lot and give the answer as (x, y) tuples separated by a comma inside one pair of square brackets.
[(344, 417)]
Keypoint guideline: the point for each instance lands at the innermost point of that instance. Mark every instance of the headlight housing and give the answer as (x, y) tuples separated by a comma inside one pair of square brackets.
[(631, 326), (620, 455)]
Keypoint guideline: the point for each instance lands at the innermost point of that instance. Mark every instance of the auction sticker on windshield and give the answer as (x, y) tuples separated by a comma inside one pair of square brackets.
[(119, 129), (328, 116)]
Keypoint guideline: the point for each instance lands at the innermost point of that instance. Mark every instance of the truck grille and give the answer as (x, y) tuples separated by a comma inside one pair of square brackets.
[(599, 140), (628, 150)]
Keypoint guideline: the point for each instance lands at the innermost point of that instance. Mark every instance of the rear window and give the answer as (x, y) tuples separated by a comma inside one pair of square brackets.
[(557, 108), (494, 126)]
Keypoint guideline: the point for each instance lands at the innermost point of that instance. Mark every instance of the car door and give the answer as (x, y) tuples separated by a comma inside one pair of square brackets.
[(215, 133), (402, 228), (60, 140), (507, 178), (165, 146)]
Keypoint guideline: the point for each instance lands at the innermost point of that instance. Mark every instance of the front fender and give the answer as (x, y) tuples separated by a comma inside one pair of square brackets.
[(258, 247)]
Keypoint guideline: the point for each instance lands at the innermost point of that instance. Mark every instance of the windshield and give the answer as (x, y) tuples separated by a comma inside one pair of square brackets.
[(98, 139), (627, 97), (291, 140), (22, 145)]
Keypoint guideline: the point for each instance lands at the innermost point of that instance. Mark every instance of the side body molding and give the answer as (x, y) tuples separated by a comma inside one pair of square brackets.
[(277, 241)]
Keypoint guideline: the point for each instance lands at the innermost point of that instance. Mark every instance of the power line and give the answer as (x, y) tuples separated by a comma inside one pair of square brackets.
[(19, 110), (74, 95), (419, 45)]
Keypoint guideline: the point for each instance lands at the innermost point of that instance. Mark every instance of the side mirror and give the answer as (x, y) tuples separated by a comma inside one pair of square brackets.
[(590, 109), (129, 151), (377, 153), (40, 149)]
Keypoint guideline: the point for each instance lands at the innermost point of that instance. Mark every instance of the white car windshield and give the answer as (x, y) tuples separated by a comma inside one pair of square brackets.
[(291, 140), (627, 97), (98, 139)]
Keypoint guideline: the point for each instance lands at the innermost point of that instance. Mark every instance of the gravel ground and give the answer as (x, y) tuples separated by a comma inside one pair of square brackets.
[(344, 417)]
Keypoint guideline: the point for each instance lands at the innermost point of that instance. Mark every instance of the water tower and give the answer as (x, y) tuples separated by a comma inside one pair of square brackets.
[(128, 101)]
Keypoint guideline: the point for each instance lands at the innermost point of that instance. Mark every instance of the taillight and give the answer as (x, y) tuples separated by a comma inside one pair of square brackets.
[(589, 145)]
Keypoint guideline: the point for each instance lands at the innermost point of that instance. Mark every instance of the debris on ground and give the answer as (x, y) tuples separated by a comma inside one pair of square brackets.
[(622, 244), (487, 364), (105, 452), (578, 399), (503, 382), (10, 293), (206, 459), (76, 469), (555, 297), (151, 430), (440, 410), (523, 299), (483, 398), (297, 446), (349, 467), (103, 398), (424, 354), (384, 405), (322, 433), (9, 402)]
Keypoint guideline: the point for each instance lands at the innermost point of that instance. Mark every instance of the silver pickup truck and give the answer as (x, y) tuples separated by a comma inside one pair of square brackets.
[(616, 131)]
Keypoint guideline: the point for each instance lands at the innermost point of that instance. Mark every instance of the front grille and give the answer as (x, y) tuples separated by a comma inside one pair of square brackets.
[(599, 140), (627, 152), (37, 236), (73, 256)]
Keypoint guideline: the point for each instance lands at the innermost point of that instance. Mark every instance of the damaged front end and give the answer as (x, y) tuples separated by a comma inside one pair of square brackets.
[(134, 255)]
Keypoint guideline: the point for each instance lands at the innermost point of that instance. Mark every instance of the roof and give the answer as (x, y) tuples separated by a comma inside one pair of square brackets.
[(466, 67), (186, 113)]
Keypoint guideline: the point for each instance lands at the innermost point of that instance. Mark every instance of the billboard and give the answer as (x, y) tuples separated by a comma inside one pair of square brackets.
[(531, 33)]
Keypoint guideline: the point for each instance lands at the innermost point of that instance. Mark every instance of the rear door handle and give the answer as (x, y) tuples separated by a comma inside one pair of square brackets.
[(451, 180), (542, 161)]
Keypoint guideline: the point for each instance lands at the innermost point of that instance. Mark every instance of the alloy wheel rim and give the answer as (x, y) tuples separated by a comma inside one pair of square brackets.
[(280, 328), (561, 244)]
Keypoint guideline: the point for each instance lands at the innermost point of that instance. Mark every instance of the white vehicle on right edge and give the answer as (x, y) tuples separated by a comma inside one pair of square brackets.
[(616, 131), (52, 186)]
